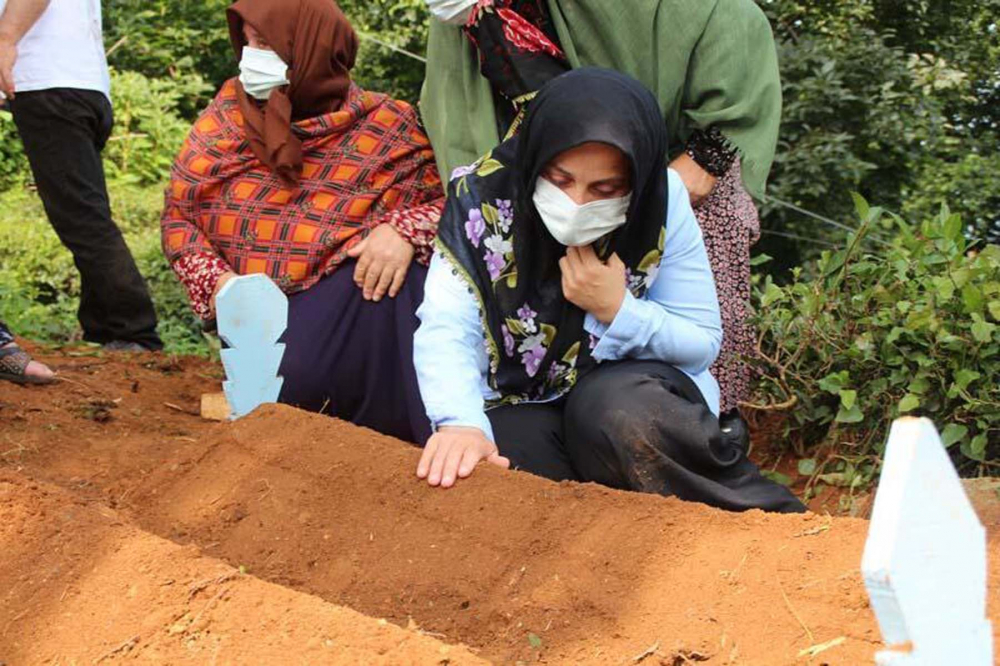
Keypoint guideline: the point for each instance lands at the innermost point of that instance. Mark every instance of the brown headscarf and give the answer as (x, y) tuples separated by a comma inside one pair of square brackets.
[(320, 46)]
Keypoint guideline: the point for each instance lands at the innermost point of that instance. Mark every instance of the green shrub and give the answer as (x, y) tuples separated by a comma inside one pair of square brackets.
[(172, 39), (13, 164), (148, 128), (907, 329), (40, 287), (972, 184)]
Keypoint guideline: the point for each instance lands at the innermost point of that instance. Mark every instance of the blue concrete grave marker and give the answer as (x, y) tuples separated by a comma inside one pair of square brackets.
[(252, 314)]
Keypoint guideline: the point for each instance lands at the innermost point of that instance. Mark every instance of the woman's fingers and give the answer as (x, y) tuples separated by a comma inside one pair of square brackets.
[(449, 472), (437, 464), (384, 282), (424, 466), (587, 255), (372, 277), (398, 281), (470, 459), (499, 460), (361, 269)]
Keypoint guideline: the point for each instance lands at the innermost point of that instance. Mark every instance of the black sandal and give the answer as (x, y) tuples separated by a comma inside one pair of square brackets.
[(13, 363)]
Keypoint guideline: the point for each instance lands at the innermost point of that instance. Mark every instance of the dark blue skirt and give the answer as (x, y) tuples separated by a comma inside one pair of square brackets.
[(353, 359)]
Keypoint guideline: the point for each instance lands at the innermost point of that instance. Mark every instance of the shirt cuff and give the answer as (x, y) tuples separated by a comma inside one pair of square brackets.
[(613, 339), (199, 272), (481, 423)]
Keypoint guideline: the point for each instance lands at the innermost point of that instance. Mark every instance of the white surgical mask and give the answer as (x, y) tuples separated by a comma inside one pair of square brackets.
[(455, 12), (574, 225), (261, 71)]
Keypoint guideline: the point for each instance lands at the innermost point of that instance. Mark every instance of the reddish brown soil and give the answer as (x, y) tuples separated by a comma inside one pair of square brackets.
[(516, 567), (83, 586)]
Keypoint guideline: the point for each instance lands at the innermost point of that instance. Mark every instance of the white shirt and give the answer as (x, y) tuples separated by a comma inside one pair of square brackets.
[(64, 49), (677, 322)]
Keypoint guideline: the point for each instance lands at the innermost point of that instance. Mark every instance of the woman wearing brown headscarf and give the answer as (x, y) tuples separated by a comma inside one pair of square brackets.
[(296, 172)]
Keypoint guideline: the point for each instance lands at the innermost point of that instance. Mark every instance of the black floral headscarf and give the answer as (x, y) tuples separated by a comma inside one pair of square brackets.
[(495, 240)]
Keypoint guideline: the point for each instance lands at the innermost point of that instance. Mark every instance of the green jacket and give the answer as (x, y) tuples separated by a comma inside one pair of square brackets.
[(711, 63)]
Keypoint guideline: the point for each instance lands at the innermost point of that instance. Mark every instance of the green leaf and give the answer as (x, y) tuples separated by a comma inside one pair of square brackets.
[(535, 641), (772, 294), (909, 403), (490, 214), (852, 415), (945, 288), (965, 377), (861, 205), (516, 327), (953, 434), (488, 167), (953, 227), (972, 298), (904, 306), (572, 354), (807, 467), (976, 448), (650, 261), (982, 330), (550, 333), (760, 260), (848, 399), (835, 382)]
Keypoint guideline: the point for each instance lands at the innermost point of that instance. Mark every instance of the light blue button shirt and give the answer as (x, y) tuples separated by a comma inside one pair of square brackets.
[(677, 322)]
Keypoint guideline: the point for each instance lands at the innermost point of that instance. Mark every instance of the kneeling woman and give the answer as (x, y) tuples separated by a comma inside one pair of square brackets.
[(296, 172), (570, 316)]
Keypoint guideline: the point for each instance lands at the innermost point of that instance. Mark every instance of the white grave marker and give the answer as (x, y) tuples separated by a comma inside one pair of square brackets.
[(252, 314), (925, 559)]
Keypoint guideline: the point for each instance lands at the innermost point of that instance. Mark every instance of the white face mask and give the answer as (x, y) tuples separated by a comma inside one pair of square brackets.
[(262, 71), (454, 12), (574, 225)]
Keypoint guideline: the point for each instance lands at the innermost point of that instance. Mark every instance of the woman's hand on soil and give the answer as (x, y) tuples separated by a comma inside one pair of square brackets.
[(453, 453), (699, 183), (384, 258), (592, 285)]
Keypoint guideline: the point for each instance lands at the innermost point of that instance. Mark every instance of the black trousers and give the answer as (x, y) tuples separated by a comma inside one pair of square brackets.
[(642, 426), (64, 131), (6, 337)]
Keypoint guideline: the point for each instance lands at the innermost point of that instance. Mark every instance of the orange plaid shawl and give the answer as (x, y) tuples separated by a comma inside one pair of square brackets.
[(368, 163)]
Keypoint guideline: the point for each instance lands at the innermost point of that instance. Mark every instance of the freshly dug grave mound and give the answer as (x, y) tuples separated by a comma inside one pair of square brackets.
[(514, 565), (517, 567), (79, 585)]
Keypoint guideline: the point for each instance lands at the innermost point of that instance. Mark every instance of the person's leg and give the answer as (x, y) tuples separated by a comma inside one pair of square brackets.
[(63, 132), (643, 425), (531, 437), (6, 337), (352, 358)]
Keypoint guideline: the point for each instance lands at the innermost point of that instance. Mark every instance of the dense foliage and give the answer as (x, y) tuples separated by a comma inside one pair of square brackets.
[(40, 287), (907, 328)]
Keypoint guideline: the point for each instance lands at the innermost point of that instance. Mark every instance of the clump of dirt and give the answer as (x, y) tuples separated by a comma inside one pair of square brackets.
[(519, 568), (82, 586)]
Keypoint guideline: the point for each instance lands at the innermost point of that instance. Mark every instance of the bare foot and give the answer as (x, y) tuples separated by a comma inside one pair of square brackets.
[(35, 369)]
